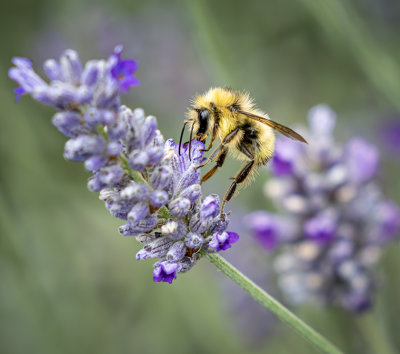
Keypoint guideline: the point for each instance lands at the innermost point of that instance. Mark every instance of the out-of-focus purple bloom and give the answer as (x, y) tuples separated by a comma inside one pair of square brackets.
[(266, 228), (287, 158), (390, 136), (320, 228), (362, 160), (339, 220), (387, 218), (141, 178)]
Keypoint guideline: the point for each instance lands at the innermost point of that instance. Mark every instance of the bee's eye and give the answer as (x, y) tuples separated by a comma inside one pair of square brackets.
[(204, 115)]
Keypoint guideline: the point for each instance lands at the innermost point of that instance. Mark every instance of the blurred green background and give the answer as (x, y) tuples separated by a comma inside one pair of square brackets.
[(69, 282)]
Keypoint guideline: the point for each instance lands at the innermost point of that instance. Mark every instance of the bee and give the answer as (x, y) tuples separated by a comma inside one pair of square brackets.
[(243, 131)]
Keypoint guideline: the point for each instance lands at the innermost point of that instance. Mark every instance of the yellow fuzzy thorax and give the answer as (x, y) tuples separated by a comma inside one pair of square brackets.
[(223, 99)]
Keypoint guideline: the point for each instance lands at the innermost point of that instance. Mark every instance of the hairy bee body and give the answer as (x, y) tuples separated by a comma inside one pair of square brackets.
[(243, 131)]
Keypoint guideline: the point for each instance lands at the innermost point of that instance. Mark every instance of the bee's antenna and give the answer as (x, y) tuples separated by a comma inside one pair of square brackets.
[(190, 142), (180, 139)]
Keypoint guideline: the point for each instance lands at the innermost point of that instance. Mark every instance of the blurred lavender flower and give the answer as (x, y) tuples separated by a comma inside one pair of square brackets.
[(390, 136), (334, 221), (142, 179)]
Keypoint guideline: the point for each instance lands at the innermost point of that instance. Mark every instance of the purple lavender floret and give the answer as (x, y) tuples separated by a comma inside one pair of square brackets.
[(165, 271), (339, 221), (142, 179), (221, 241)]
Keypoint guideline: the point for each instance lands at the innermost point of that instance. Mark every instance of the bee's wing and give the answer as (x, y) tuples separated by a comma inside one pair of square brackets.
[(274, 125)]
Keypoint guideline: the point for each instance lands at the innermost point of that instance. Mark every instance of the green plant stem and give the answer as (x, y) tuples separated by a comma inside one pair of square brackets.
[(373, 335), (271, 304)]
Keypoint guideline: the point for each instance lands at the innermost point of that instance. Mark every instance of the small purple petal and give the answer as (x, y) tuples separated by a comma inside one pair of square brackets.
[(165, 272), (223, 241), (122, 71)]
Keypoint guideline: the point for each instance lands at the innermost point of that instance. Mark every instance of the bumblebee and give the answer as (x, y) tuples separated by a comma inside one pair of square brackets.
[(243, 131)]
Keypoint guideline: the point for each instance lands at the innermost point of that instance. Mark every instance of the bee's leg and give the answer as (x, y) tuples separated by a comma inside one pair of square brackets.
[(219, 163), (220, 148), (239, 178), (180, 139), (213, 136)]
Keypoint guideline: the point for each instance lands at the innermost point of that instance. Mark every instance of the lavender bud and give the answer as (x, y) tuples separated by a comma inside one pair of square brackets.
[(174, 229), (114, 148), (117, 206), (71, 67), (94, 163), (161, 177), (155, 248), (144, 225), (149, 129), (192, 193), (210, 207), (179, 207), (136, 191), (193, 240), (158, 198), (53, 70), (91, 73), (219, 224), (197, 224), (138, 212), (155, 154), (83, 95), (93, 117), (186, 264), (189, 177), (116, 131), (138, 160), (83, 147), (176, 252), (69, 124), (108, 176)]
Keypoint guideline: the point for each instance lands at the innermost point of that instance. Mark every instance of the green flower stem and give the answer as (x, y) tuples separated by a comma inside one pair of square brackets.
[(271, 304)]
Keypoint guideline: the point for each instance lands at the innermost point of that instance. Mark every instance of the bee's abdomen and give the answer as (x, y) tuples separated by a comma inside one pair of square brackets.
[(250, 135)]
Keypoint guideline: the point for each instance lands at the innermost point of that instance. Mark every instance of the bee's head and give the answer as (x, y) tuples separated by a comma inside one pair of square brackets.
[(201, 122)]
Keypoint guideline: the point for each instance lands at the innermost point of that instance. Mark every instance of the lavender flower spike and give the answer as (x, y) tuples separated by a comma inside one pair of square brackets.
[(339, 219), (141, 178)]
